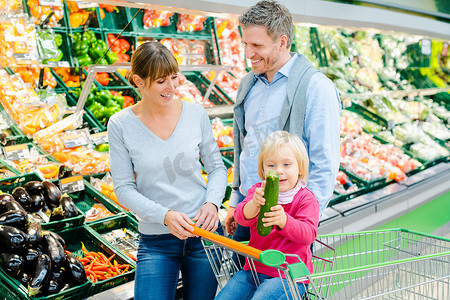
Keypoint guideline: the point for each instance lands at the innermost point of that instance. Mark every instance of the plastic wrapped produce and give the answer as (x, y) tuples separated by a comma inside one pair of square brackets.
[(222, 133), (156, 18), (188, 23)]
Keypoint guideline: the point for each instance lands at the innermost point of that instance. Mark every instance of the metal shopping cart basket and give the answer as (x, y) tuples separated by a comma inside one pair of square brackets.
[(220, 251), (380, 264), (384, 264)]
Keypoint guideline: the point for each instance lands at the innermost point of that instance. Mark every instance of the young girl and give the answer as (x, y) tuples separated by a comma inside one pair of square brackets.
[(295, 219)]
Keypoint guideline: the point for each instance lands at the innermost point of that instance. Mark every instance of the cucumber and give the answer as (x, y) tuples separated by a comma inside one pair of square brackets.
[(271, 196)]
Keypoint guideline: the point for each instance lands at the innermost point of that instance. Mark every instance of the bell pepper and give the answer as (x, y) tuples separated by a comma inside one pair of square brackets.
[(101, 61), (119, 99), (78, 18), (90, 99), (76, 36), (124, 45), (102, 13), (89, 37), (81, 47), (102, 96), (57, 58), (72, 84), (109, 111), (102, 78), (128, 101), (84, 60), (109, 7), (72, 6), (122, 57), (111, 57), (97, 49), (58, 40)]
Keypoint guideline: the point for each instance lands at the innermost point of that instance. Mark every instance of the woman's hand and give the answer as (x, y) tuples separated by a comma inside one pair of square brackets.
[(276, 216), (207, 217), (179, 224)]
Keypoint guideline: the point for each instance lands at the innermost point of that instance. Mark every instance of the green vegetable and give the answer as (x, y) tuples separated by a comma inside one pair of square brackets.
[(111, 57), (81, 48), (84, 60), (119, 99), (271, 196), (109, 111), (58, 39), (103, 96), (76, 36), (97, 49), (89, 37)]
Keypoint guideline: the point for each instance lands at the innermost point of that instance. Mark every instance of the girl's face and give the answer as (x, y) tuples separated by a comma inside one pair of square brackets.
[(161, 90), (285, 163)]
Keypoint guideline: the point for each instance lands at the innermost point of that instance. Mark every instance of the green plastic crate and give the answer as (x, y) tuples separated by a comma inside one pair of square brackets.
[(93, 24), (9, 184), (104, 226), (202, 84), (116, 20), (74, 238), (362, 189), (12, 289), (84, 200)]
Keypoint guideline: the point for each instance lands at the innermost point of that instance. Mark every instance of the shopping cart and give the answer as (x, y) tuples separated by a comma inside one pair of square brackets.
[(390, 264), (220, 251), (380, 264)]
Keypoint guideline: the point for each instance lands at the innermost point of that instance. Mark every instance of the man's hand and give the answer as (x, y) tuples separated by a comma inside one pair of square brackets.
[(230, 222), (207, 217)]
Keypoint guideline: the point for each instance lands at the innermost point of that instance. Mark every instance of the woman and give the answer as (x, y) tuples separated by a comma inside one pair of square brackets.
[(155, 149)]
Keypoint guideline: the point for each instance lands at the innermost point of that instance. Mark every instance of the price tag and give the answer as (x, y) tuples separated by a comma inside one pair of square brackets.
[(17, 152), (444, 49), (82, 4), (74, 139), (25, 58), (50, 3), (100, 138), (62, 64), (426, 47), (71, 184)]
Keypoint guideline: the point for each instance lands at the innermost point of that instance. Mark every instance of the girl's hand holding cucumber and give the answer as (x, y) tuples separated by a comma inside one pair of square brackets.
[(276, 216)]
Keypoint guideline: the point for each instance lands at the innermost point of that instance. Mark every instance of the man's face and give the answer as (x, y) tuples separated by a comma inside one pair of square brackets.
[(263, 52)]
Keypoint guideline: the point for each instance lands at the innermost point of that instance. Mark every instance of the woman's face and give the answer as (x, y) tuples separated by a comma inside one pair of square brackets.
[(161, 91), (286, 165)]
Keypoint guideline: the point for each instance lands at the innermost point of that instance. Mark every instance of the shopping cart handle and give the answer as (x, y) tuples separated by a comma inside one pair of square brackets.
[(270, 257)]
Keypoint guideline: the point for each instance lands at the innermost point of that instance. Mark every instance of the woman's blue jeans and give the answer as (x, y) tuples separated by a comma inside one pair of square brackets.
[(160, 258), (242, 287)]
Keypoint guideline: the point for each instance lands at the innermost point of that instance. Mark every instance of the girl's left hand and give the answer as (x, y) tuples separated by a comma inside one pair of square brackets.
[(276, 216), (207, 217)]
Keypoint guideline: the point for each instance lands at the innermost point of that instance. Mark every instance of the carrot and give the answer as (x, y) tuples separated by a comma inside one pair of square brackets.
[(83, 248), (111, 257), (131, 256)]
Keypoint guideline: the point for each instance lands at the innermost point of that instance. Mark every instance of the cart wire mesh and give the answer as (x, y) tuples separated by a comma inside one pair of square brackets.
[(391, 264)]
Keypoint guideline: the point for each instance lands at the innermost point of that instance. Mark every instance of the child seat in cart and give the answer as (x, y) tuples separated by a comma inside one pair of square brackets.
[(380, 264)]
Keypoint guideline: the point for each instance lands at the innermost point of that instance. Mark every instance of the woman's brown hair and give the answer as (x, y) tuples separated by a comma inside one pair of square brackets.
[(150, 61)]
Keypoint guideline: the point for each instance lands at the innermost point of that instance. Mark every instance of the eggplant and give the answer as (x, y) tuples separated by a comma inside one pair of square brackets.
[(35, 217), (21, 196), (53, 287), (29, 258), (54, 249), (12, 263), (57, 214), (5, 199), (42, 274), (56, 236), (51, 193), (24, 278), (12, 239), (67, 204), (34, 233), (76, 274), (13, 205), (15, 218), (37, 202), (34, 187), (58, 275)]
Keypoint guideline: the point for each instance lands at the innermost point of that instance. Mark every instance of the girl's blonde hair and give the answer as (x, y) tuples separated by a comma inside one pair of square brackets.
[(274, 141)]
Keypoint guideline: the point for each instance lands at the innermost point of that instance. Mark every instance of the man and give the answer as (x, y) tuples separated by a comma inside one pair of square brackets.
[(282, 92)]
